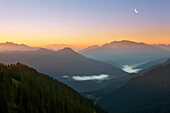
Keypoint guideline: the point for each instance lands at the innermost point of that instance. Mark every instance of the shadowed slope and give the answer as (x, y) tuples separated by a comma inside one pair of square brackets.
[(151, 89), (24, 90)]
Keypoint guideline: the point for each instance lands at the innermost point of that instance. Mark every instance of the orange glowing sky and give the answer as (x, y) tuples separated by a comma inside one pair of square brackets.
[(82, 24)]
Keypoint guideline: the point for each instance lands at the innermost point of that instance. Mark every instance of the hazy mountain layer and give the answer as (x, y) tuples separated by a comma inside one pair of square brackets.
[(10, 46), (126, 52), (164, 46), (64, 62), (63, 65)]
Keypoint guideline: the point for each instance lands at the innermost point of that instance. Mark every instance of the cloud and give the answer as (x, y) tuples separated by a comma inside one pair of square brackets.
[(93, 77), (65, 76), (130, 69)]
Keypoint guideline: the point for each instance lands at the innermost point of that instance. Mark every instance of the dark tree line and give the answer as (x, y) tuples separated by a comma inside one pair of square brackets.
[(24, 90)]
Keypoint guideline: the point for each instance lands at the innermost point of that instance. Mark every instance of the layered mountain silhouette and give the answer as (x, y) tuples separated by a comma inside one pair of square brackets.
[(126, 52), (10, 46), (143, 94), (151, 64), (63, 62), (164, 46), (115, 84), (89, 48)]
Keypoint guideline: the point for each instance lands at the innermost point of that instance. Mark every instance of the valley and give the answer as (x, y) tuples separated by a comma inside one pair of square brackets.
[(97, 80), (84, 56)]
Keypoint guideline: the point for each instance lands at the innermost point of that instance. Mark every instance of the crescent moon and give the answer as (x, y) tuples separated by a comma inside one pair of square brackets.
[(136, 11)]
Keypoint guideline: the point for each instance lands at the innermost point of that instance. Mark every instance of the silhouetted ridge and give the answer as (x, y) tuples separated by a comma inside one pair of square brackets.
[(13, 44), (67, 51), (10, 46), (125, 44), (65, 62), (126, 52)]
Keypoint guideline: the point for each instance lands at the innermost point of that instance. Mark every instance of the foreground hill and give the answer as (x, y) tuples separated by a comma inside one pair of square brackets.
[(126, 52), (149, 93), (24, 90)]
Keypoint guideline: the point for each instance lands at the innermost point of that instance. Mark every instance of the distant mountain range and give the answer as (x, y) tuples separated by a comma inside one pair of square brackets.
[(126, 52), (10, 46), (63, 64), (149, 93), (163, 46), (102, 79), (117, 53)]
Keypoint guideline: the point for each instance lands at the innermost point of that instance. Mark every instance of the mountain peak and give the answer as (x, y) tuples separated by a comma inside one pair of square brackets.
[(67, 51), (67, 48), (10, 43), (13, 44), (124, 44), (125, 41)]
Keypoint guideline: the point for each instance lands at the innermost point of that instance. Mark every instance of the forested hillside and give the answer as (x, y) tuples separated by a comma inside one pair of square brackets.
[(149, 93), (24, 90)]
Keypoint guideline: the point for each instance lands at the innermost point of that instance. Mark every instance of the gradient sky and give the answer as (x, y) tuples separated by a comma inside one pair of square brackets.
[(83, 23)]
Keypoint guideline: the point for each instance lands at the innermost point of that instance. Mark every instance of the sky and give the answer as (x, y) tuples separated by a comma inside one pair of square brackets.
[(84, 22)]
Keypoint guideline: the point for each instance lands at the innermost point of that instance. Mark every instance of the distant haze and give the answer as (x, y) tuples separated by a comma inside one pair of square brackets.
[(125, 52)]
